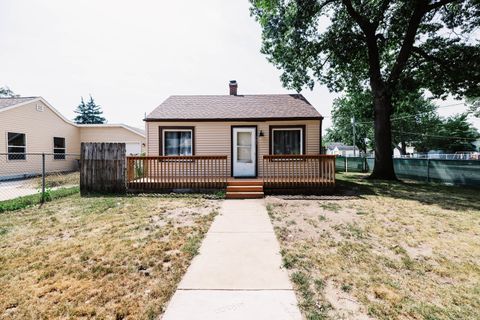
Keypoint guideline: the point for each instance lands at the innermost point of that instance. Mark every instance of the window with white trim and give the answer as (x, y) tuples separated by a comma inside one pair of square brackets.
[(287, 141), (17, 146), (59, 148), (177, 142)]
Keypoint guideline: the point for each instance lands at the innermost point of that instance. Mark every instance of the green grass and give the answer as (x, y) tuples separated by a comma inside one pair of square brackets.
[(35, 199)]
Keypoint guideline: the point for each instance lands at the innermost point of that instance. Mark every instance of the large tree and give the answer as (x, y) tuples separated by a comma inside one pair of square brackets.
[(375, 44), (89, 113)]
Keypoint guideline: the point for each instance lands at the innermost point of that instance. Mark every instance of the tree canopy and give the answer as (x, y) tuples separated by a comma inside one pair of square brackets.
[(415, 122), (384, 46), (474, 106), (89, 113), (455, 134)]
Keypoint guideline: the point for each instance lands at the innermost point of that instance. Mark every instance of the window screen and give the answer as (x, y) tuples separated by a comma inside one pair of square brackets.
[(16, 146), (59, 148), (244, 147), (177, 143), (287, 141)]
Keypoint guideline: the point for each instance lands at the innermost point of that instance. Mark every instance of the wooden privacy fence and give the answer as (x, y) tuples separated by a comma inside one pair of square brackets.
[(176, 172), (298, 171), (102, 168)]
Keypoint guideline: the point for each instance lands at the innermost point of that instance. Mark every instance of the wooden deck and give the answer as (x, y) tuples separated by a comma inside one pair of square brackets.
[(150, 174)]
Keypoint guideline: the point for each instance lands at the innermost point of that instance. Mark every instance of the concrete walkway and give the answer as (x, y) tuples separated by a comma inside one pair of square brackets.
[(237, 274), (14, 189)]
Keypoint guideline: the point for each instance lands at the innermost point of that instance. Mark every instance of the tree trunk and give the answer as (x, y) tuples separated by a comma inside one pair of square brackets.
[(383, 168), (403, 148)]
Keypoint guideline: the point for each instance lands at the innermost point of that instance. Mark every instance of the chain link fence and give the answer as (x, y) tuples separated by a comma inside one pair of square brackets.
[(455, 172), (30, 174)]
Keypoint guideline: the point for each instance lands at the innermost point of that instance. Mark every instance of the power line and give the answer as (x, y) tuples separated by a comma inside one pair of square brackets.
[(431, 135), (409, 116)]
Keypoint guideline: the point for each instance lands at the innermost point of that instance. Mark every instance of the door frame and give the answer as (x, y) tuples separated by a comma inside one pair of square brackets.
[(256, 150)]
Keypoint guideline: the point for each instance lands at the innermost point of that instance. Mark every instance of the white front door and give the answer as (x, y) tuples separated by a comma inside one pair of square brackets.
[(244, 152)]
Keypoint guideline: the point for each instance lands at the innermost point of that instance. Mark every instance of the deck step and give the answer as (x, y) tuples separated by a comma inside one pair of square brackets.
[(245, 195), (245, 183), (246, 188)]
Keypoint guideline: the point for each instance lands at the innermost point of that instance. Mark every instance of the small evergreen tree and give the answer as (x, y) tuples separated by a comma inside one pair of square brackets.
[(5, 92), (89, 113), (82, 112)]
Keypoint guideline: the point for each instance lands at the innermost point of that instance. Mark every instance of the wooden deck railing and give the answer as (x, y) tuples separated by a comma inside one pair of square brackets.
[(176, 172), (298, 171)]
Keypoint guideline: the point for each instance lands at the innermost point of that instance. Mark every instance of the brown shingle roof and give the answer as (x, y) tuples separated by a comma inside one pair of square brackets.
[(8, 102), (209, 107)]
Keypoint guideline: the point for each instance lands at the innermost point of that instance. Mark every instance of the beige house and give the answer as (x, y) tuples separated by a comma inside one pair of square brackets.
[(30, 126), (243, 127)]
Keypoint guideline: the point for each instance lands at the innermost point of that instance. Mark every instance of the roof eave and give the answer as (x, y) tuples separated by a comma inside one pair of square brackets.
[(231, 119)]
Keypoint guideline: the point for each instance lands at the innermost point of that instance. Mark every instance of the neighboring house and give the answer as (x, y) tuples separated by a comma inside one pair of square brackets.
[(31, 125), (409, 149), (134, 138), (340, 149), (243, 127)]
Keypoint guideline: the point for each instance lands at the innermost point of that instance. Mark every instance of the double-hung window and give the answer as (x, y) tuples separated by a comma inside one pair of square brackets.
[(177, 142), (17, 146), (287, 140), (59, 148)]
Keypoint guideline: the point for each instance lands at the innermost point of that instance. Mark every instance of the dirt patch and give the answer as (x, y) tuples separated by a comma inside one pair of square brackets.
[(318, 219), (345, 306)]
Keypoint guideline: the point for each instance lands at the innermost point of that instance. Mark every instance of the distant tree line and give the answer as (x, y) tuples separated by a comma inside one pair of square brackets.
[(415, 122)]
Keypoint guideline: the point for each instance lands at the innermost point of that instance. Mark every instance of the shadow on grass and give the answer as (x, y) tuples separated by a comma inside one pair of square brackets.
[(447, 197)]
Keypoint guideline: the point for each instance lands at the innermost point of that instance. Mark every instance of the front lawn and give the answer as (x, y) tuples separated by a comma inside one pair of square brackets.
[(98, 257), (385, 251)]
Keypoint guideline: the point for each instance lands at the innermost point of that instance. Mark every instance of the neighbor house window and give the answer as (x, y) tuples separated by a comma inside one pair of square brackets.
[(58, 148), (16, 146), (287, 140), (177, 141)]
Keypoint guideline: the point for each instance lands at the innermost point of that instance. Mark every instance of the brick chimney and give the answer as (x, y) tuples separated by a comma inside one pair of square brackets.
[(233, 87)]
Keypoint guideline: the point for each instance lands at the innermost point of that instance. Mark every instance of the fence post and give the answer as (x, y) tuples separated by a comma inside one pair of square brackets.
[(428, 169), (43, 178), (346, 164)]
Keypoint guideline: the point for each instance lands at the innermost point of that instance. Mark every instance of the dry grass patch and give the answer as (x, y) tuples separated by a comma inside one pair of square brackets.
[(99, 257), (398, 251), (55, 180)]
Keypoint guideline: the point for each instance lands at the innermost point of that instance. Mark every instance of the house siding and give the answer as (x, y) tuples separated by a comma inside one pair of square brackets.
[(39, 128), (110, 134), (214, 138)]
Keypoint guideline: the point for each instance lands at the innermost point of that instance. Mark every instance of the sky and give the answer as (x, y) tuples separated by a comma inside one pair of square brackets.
[(132, 55)]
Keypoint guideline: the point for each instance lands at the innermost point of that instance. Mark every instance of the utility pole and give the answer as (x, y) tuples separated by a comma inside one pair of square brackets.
[(353, 128)]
